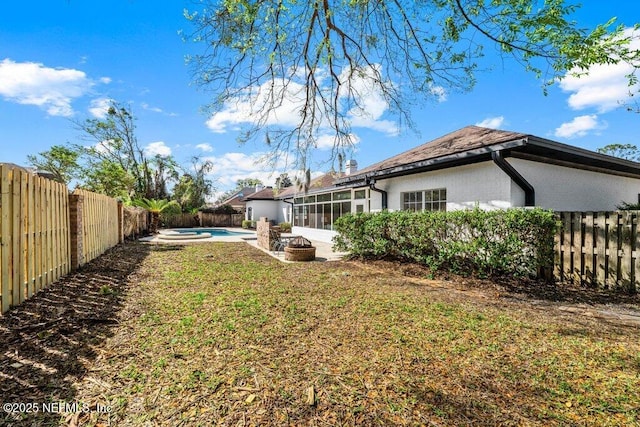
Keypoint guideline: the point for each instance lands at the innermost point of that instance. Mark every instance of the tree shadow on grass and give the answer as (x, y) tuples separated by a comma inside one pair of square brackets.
[(48, 343)]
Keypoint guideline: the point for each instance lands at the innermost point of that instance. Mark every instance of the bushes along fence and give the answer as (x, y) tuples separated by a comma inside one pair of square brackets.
[(514, 241)]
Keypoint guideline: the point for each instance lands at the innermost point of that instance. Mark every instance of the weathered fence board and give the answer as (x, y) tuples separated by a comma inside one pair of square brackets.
[(220, 220), (135, 222), (598, 249), (184, 220)]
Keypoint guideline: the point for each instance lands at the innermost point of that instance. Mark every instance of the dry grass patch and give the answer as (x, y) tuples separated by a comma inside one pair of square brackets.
[(223, 334)]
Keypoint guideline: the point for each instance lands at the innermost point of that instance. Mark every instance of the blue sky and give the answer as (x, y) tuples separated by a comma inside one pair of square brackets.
[(61, 61)]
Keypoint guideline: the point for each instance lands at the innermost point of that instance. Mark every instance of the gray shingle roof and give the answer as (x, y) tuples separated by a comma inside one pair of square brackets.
[(465, 139)]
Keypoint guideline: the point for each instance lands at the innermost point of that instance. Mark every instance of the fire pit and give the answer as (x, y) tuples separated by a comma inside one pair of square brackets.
[(299, 249)]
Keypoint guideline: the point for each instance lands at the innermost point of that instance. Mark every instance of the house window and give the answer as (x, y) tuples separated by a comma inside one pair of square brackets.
[(321, 210), (412, 201), (426, 200), (360, 194), (435, 200), (342, 195)]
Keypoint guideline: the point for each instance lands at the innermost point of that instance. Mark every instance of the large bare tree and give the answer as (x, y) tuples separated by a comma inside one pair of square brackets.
[(321, 59)]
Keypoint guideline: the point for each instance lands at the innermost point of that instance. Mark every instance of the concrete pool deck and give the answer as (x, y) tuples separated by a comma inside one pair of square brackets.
[(324, 251), (235, 238)]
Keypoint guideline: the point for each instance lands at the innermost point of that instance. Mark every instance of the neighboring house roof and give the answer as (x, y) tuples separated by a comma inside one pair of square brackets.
[(14, 166), (320, 184), (238, 198), (268, 193), (475, 144)]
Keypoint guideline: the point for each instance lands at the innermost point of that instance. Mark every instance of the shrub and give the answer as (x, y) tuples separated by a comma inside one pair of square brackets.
[(246, 223), (285, 227), (627, 206), (512, 241)]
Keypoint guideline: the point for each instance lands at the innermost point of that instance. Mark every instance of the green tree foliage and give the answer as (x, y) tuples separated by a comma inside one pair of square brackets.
[(193, 187), (623, 151), (283, 181), (107, 177), (61, 161), (240, 184), (628, 152), (156, 207), (115, 148), (332, 54), (248, 182)]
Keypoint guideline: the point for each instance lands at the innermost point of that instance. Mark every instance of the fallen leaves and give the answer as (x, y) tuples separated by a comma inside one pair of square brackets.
[(297, 344)]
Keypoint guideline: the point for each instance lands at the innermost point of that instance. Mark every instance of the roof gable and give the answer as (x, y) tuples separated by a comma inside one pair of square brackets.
[(462, 140), (264, 194)]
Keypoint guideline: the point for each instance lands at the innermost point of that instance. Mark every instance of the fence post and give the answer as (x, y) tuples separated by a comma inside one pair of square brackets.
[(120, 221), (76, 202)]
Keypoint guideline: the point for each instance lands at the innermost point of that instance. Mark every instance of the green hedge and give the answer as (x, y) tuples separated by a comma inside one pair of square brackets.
[(512, 241)]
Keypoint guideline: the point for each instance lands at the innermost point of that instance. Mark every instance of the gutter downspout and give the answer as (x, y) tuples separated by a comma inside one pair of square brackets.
[(290, 203), (372, 186), (529, 191)]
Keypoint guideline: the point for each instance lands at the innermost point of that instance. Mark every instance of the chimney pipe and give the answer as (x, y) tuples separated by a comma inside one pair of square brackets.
[(350, 167)]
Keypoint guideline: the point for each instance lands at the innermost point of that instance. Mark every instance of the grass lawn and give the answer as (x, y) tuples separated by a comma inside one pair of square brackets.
[(223, 334)]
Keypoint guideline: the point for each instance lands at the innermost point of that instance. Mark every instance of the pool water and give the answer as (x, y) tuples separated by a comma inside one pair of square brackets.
[(212, 231)]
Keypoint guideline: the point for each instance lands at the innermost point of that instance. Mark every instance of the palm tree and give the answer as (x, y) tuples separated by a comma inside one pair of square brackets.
[(155, 207)]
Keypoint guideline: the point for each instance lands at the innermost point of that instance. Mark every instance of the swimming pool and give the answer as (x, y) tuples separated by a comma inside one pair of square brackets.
[(220, 232)]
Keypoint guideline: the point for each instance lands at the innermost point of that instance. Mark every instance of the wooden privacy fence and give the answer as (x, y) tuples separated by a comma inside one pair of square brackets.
[(45, 232), (202, 219), (599, 249), (34, 234), (220, 220), (180, 220), (101, 223), (135, 222)]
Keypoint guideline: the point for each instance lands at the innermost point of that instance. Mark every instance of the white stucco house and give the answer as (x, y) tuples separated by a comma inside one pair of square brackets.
[(473, 166)]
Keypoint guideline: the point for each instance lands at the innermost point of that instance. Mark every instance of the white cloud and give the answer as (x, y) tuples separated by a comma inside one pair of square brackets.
[(579, 126), (157, 148), (492, 122), (371, 105), (326, 141), (103, 146), (205, 147), (52, 89), (147, 107), (99, 107), (439, 92), (247, 107), (603, 87), (230, 167)]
